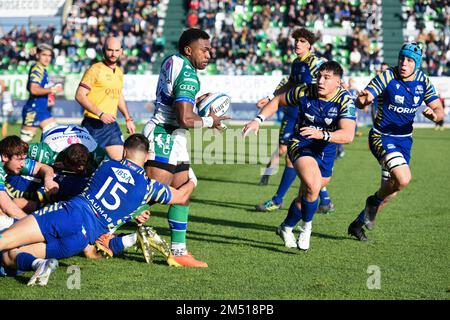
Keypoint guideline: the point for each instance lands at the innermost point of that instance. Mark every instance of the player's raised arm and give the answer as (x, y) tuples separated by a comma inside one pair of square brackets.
[(267, 111)]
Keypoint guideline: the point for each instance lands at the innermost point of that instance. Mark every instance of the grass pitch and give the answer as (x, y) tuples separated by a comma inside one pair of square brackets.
[(409, 247)]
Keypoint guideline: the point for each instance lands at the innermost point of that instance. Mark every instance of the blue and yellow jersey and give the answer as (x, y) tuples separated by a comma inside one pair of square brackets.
[(319, 113), (105, 88), (400, 101), (28, 169), (37, 74), (115, 191), (304, 70)]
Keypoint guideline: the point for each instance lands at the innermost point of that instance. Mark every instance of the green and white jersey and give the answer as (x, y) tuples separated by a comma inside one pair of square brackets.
[(41, 152), (28, 169), (178, 81)]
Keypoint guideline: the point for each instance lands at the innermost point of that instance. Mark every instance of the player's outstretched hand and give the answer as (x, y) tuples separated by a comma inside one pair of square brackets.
[(50, 186), (107, 118), (251, 126), (262, 102), (311, 133), (429, 114), (217, 121), (144, 216)]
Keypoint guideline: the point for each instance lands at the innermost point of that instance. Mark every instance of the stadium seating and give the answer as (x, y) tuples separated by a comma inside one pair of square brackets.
[(429, 22), (248, 36), (254, 36), (80, 40)]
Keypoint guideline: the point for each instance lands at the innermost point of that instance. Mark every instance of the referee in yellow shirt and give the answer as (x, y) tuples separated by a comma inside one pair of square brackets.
[(100, 94)]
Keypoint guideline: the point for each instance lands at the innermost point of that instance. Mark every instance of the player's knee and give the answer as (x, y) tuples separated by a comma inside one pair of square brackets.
[(403, 181), (26, 135), (311, 189)]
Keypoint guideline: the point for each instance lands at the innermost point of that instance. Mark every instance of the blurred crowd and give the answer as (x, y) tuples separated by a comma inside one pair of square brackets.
[(429, 23), (81, 38), (248, 36), (253, 37)]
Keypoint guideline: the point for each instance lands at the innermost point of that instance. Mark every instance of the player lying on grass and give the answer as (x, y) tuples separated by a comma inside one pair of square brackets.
[(73, 154), (323, 121), (64, 229), (404, 88), (14, 161)]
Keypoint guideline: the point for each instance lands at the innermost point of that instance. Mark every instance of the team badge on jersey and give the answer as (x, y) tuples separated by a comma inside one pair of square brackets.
[(418, 90)]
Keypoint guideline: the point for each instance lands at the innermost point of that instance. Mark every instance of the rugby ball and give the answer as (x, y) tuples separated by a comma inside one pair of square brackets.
[(218, 103)]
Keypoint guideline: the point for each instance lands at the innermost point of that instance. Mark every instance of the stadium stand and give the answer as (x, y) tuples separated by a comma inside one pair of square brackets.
[(248, 36), (429, 23), (79, 42), (254, 36)]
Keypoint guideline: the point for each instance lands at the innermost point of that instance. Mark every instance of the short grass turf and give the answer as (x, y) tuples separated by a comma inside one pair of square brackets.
[(409, 246)]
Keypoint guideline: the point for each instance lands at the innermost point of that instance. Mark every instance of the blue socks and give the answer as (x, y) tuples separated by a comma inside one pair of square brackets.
[(306, 213), (294, 216), (324, 197), (287, 179), (24, 261), (308, 209), (116, 245)]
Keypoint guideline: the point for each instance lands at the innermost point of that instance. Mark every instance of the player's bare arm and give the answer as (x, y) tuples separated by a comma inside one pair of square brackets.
[(434, 111), (131, 128), (187, 118), (8, 207), (83, 100), (37, 90), (267, 111)]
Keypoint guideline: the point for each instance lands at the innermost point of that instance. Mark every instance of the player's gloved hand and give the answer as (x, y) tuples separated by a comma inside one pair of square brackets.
[(313, 91), (50, 186), (192, 176), (251, 126), (429, 114)]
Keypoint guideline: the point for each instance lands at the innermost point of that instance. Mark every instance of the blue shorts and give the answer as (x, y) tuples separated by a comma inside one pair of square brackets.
[(381, 144), (324, 154), (33, 116), (287, 129), (104, 134), (61, 224)]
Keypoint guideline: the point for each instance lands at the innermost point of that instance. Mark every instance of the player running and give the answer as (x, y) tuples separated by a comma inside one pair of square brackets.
[(65, 229), (36, 111), (303, 71), (322, 123), (178, 85), (403, 89)]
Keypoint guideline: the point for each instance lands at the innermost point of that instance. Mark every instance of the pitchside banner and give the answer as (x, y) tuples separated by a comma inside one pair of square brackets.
[(139, 92), (27, 8)]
